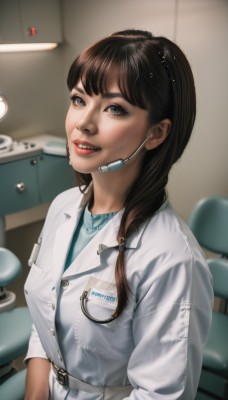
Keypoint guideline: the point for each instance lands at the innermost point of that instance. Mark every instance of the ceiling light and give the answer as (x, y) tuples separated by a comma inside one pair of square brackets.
[(26, 47), (3, 107)]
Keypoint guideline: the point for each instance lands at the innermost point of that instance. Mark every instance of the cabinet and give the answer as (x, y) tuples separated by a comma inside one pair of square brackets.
[(32, 181), (18, 17), (54, 176), (18, 185)]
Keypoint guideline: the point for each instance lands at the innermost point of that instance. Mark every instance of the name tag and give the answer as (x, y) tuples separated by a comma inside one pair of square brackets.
[(103, 297)]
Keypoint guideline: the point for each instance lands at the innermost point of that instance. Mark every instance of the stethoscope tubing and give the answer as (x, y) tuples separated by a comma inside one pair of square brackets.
[(83, 300)]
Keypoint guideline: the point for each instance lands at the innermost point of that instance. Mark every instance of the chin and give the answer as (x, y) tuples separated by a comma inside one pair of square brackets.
[(81, 169)]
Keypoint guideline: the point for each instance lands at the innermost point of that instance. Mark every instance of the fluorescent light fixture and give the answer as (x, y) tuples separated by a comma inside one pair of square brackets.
[(3, 107), (6, 48)]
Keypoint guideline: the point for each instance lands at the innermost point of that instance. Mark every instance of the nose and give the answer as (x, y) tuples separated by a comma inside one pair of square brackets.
[(86, 124)]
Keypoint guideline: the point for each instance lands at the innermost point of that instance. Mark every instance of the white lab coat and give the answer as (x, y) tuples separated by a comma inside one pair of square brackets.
[(156, 345)]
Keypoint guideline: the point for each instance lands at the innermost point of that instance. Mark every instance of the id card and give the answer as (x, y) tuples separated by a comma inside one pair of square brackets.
[(102, 292)]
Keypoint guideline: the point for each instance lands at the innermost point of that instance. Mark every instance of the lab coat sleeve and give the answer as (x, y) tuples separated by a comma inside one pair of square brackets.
[(35, 348), (170, 328)]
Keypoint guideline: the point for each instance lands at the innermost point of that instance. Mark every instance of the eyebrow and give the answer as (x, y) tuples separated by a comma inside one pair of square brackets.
[(108, 95)]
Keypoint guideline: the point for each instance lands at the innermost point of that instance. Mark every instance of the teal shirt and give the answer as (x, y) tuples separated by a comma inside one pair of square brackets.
[(89, 224)]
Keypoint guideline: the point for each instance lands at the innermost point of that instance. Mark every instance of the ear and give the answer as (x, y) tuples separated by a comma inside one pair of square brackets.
[(158, 133)]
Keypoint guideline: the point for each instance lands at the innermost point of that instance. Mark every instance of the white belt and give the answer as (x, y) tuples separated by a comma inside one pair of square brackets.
[(65, 379)]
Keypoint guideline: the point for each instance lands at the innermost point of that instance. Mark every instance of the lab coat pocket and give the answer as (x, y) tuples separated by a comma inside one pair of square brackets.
[(99, 301), (176, 325), (33, 276), (100, 305), (37, 292)]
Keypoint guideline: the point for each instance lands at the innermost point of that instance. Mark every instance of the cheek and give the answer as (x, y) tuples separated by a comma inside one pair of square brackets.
[(69, 122), (126, 138), (116, 133)]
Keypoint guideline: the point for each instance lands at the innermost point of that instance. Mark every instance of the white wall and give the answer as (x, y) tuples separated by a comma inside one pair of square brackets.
[(35, 83), (202, 31)]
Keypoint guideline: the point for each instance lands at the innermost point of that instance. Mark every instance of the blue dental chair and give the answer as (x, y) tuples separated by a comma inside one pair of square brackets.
[(15, 329), (209, 223)]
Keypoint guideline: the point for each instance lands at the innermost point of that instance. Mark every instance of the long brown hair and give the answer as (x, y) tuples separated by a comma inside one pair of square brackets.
[(153, 74)]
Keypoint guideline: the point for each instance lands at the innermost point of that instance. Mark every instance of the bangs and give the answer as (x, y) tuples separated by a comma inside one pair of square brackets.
[(113, 56)]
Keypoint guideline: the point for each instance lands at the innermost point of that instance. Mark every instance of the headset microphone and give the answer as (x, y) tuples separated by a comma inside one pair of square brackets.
[(113, 166)]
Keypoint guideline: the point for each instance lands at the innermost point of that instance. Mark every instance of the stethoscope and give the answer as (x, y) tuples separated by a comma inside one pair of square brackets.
[(83, 300)]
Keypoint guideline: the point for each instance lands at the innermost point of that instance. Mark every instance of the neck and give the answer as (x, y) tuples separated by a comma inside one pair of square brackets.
[(106, 200), (110, 190)]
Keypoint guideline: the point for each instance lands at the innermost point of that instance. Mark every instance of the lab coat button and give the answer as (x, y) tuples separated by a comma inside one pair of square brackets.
[(52, 332), (53, 307), (65, 284)]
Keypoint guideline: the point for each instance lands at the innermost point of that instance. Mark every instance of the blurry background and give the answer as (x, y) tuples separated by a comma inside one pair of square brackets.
[(35, 87)]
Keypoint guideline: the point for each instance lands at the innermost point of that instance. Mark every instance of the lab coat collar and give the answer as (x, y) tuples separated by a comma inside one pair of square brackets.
[(65, 232), (109, 241), (72, 211), (90, 257), (75, 211)]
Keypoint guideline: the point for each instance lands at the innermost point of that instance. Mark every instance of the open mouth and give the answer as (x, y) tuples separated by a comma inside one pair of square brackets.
[(87, 147)]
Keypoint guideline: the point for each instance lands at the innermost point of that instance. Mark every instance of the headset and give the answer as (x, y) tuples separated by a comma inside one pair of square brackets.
[(114, 165)]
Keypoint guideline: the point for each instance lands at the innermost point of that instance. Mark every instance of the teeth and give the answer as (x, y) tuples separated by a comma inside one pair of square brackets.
[(83, 146)]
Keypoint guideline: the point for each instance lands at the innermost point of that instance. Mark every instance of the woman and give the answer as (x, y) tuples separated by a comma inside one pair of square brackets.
[(120, 293)]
